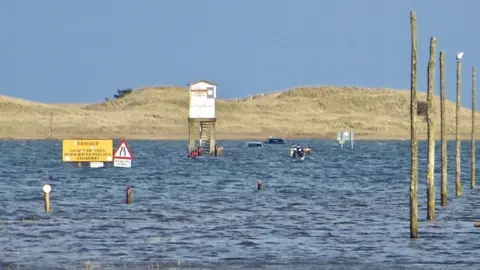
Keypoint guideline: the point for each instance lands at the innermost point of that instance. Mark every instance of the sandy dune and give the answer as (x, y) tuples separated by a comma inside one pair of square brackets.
[(161, 113)]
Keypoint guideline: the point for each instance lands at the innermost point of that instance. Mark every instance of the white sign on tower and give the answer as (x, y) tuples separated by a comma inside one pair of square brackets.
[(202, 99), (122, 156)]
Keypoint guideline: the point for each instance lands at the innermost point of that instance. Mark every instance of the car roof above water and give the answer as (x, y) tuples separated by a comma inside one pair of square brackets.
[(255, 144), (275, 140)]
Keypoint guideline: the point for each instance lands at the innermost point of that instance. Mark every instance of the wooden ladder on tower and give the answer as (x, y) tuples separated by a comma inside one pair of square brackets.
[(205, 136)]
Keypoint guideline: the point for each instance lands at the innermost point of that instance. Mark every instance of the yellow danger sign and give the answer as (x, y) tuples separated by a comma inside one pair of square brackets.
[(87, 150)]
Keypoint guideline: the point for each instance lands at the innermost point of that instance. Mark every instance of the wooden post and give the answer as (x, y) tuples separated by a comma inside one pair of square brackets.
[(88, 266), (351, 137), (431, 133), (443, 129), (213, 141), (191, 135), (413, 131), (201, 132), (457, 137), (129, 195), (46, 197), (474, 73)]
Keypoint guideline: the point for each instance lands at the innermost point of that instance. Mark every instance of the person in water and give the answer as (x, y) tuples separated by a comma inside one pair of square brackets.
[(300, 152), (293, 151), (308, 150), (193, 154)]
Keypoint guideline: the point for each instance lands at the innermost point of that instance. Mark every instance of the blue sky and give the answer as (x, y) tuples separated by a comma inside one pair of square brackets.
[(83, 51)]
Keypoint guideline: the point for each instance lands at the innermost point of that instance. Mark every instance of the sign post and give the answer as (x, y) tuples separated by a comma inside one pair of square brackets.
[(123, 156), (96, 151), (344, 136)]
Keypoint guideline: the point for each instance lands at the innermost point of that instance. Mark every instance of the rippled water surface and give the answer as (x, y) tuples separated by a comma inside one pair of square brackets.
[(340, 208)]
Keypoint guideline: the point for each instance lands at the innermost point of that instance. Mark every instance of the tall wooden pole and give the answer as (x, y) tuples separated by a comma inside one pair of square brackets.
[(431, 133), (413, 130), (443, 128), (457, 137), (474, 86)]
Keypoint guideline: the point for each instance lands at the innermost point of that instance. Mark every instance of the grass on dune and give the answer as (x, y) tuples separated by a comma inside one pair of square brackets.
[(160, 112)]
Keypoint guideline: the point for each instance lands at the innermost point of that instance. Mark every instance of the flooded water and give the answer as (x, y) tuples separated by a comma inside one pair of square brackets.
[(338, 209)]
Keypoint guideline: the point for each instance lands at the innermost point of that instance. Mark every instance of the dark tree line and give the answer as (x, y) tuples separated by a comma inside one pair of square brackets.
[(121, 93)]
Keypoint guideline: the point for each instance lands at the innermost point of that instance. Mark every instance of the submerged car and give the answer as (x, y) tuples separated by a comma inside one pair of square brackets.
[(275, 141), (255, 144)]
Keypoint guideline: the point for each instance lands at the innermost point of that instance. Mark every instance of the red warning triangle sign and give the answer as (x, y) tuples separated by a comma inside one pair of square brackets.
[(123, 151)]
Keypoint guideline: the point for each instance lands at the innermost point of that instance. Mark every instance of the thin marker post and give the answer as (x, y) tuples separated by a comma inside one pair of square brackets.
[(46, 197)]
